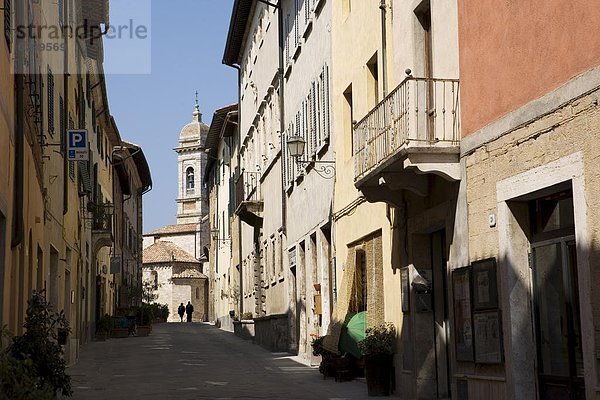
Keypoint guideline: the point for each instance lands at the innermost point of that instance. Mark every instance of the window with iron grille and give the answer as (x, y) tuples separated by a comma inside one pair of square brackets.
[(8, 22), (50, 94)]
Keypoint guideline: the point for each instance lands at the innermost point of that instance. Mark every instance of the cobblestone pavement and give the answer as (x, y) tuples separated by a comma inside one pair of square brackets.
[(197, 361)]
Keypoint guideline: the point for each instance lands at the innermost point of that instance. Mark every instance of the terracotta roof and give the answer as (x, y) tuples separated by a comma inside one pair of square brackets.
[(167, 252), (172, 229), (189, 274)]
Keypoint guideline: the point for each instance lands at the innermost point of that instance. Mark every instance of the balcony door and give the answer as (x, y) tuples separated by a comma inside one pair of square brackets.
[(423, 13)]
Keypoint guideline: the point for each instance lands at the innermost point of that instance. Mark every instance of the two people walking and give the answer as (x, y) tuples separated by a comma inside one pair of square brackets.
[(189, 310)]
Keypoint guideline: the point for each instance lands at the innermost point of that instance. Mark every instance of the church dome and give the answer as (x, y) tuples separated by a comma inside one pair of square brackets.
[(196, 130)]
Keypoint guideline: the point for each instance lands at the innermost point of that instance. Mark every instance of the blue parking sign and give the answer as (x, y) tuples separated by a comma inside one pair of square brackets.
[(77, 145)]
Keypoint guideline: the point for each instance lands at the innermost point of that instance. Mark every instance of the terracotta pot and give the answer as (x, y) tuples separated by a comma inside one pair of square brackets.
[(378, 370), (143, 330), (119, 333)]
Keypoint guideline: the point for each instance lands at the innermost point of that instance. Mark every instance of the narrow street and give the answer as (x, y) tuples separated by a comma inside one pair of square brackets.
[(197, 361)]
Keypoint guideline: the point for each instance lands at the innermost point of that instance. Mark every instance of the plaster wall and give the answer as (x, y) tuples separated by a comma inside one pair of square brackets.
[(259, 63), (535, 56), (409, 39), (6, 179)]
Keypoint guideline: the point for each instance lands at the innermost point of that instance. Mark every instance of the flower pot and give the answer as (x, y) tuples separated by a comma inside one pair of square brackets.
[(101, 336), (143, 330), (378, 371), (119, 333)]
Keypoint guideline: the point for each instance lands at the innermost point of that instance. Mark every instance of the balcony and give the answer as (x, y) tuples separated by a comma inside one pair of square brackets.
[(101, 224), (413, 132), (248, 199)]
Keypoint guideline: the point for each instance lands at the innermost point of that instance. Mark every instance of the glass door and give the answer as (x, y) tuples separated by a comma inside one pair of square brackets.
[(557, 321)]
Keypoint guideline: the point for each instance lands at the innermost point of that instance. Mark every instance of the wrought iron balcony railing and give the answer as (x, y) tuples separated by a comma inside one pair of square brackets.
[(101, 216), (248, 187), (420, 112)]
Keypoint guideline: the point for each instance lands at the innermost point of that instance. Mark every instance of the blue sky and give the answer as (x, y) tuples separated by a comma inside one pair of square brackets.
[(187, 39)]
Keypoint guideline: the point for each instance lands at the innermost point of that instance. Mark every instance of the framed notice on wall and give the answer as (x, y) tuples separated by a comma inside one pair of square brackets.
[(488, 337), (485, 285), (405, 289), (463, 321)]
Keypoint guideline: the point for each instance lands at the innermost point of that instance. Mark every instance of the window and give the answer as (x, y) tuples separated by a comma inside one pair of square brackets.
[(50, 94), (61, 122), (373, 80), (8, 22), (190, 183), (197, 293), (358, 302), (349, 117)]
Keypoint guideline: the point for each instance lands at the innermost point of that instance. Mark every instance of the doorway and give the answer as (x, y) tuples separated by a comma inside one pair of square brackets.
[(430, 337), (556, 299), (440, 313)]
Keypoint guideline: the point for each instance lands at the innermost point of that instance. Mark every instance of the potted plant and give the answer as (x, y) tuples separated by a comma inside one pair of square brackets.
[(103, 327), (378, 351), (144, 318)]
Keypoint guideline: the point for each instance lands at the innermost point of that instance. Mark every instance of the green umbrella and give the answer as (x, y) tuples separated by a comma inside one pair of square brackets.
[(352, 333)]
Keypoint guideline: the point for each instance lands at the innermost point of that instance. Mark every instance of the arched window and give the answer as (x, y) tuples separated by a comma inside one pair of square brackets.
[(189, 179)]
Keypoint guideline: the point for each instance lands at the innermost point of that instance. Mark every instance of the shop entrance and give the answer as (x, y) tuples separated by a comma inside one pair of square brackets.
[(556, 298)]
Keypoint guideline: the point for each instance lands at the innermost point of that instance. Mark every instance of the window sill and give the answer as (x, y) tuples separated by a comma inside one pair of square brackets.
[(308, 29), (319, 7), (297, 51)]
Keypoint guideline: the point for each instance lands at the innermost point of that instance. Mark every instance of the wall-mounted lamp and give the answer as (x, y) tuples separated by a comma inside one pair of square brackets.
[(296, 145), (214, 234)]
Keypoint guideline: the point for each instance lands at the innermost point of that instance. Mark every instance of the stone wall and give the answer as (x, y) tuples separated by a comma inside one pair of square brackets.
[(272, 332), (540, 149)]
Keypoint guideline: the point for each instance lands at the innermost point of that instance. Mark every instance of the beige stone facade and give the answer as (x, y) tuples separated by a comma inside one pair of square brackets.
[(57, 228)]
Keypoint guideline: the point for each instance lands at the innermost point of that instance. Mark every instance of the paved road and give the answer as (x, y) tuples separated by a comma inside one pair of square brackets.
[(197, 361)]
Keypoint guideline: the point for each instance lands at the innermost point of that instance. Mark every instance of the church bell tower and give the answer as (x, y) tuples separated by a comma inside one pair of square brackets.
[(191, 161)]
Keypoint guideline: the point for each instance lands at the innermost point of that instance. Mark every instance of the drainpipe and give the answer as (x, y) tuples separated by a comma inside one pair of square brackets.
[(282, 115), (18, 223), (383, 7)]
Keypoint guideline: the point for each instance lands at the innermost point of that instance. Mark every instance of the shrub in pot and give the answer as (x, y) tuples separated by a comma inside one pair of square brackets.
[(378, 350)]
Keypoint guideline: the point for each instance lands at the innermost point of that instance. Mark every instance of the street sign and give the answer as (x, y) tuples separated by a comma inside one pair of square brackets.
[(77, 145)]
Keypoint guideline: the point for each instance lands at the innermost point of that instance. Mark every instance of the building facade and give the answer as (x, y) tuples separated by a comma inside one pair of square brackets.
[(308, 179), (175, 277), (220, 178), (259, 179), (465, 219), (528, 158), (57, 231)]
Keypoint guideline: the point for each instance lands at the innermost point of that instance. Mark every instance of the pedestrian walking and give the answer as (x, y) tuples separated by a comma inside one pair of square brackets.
[(181, 311), (189, 310)]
